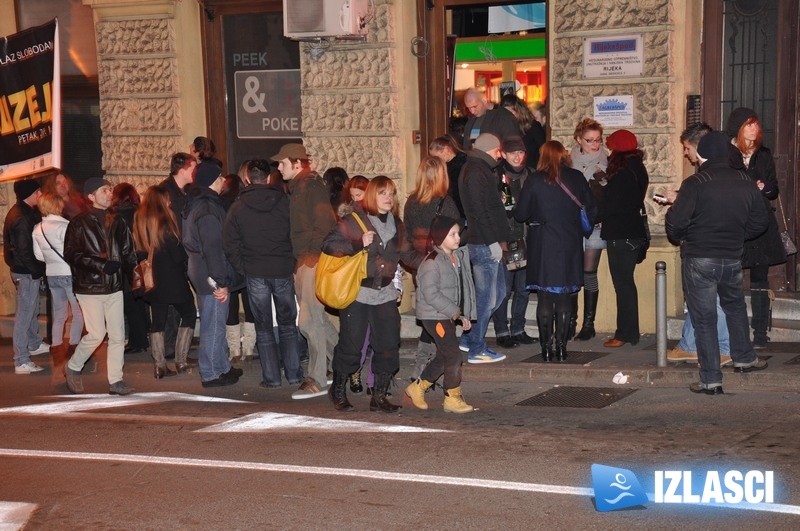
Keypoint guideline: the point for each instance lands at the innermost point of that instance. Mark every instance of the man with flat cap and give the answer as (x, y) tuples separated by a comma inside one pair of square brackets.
[(716, 210), (99, 249), (311, 218), (26, 272)]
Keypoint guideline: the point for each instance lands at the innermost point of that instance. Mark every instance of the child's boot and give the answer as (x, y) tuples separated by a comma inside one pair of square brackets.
[(454, 402), (416, 392)]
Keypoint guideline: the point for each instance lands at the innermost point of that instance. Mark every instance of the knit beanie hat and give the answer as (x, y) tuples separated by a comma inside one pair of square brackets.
[(486, 142), (622, 140), (737, 119), (440, 228), (93, 184), (206, 173), (714, 145), (25, 189)]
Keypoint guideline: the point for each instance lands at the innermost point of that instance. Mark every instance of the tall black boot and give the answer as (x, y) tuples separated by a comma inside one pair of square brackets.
[(562, 335), (337, 392), (546, 337), (589, 311), (379, 401), (759, 304), (573, 317)]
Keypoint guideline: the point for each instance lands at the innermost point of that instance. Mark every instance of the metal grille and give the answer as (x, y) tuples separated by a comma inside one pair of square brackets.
[(573, 358), (579, 397)]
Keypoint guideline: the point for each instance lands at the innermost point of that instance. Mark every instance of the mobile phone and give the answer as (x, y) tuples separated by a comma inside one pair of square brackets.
[(660, 198)]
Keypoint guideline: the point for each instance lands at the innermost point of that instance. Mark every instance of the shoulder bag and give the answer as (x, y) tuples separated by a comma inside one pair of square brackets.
[(143, 274), (586, 225), (788, 244), (339, 278)]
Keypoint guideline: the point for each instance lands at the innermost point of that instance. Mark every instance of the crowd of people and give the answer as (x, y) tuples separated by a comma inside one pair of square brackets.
[(493, 217)]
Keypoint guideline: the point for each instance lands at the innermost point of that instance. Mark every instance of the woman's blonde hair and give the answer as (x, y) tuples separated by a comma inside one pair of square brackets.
[(51, 204), (432, 180), (154, 220)]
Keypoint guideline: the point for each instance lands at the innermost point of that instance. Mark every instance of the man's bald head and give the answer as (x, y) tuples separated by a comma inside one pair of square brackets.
[(475, 102)]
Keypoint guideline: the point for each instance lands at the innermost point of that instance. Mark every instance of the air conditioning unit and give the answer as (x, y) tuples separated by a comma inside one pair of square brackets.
[(310, 19)]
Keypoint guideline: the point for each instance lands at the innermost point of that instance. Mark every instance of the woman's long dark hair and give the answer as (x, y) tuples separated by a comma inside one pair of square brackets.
[(618, 160)]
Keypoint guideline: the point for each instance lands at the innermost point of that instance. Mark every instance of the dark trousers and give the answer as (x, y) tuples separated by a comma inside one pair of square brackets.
[(137, 314), (384, 322), (233, 307), (519, 295), (622, 256), (186, 311), (448, 357)]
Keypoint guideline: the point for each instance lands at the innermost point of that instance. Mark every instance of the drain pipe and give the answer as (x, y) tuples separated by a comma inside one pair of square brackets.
[(661, 314)]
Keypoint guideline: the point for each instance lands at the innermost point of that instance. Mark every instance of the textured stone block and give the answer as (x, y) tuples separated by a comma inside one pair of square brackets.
[(154, 115), (138, 76), (368, 156), (584, 15), (351, 68), (350, 112), (134, 37), (139, 153)]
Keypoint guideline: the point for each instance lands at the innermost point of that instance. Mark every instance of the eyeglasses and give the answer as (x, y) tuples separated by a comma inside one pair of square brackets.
[(593, 140)]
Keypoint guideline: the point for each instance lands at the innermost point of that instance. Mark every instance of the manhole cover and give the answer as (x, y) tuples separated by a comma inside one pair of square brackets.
[(573, 358), (582, 397), (793, 361)]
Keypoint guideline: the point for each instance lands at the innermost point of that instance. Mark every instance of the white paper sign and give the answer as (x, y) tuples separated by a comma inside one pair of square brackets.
[(620, 56), (614, 111)]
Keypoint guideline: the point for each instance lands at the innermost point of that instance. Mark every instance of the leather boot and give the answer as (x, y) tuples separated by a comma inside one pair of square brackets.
[(573, 316), (416, 392), (379, 400), (337, 392), (759, 306), (160, 369), (561, 335), (589, 311), (249, 341), (546, 338), (454, 402), (182, 344), (424, 355), (59, 356), (355, 383), (234, 339)]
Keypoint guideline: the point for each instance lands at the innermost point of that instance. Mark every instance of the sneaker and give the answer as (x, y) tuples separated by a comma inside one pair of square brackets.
[(463, 348), (309, 389), (221, 381), (725, 360), (487, 356), (678, 354), (758, 365), (233, 372), (698, 387), (44, 348), (523, 338), (27, 368), (507, 342), (120, 388), (74, 381)]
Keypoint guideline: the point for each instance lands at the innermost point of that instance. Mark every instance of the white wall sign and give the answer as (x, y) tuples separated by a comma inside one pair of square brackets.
[(614, 111), (621, 56)]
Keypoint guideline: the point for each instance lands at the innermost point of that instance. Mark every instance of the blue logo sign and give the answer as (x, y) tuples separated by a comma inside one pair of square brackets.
[(616, 488), (612, 105)]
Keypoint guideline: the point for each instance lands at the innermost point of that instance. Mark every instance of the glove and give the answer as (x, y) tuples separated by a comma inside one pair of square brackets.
[(111, 267), (497, 252)]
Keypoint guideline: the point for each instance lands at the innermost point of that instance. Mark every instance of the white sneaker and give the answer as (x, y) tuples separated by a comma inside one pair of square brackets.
[(27, 368), (44, 348)]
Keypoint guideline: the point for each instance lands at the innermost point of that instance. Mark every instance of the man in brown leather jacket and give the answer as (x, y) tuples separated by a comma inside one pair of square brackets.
[(99, 249)]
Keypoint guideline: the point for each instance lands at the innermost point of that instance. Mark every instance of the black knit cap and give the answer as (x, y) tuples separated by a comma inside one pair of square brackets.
[(713, 145), (24, 189), (737, 119), (440, 228)]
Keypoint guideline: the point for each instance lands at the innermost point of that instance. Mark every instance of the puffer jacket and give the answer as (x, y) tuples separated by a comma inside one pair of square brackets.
[(440, 292), (18, 240), (89, 244)]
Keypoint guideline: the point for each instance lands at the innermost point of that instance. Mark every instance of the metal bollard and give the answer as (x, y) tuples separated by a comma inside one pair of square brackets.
[(661, 314)]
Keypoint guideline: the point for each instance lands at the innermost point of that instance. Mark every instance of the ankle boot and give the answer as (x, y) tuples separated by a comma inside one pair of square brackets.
[(561, 336), (59, 354), (160, 369), (416, 392), (546, 338), (589, 311), (355, 383), (182, 344), (379, 400), (249, 350), (454, 402), (424, 355), (234, 340), (337, 392), (573, 316)]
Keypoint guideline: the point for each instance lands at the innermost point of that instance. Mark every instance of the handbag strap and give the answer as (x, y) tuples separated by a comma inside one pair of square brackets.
[(41, 228), (783, 216), (360, 223), (571, 196), (439, 208)]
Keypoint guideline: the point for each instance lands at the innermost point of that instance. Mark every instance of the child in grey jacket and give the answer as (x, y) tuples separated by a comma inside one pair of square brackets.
[(445, 297)]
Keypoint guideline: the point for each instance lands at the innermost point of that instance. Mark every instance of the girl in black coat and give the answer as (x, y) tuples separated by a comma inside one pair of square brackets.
[(748, 154), (156, 231)]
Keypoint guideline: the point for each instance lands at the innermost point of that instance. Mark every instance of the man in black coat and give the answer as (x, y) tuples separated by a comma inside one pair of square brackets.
[(716, 210), (486, 118), (258, 244)]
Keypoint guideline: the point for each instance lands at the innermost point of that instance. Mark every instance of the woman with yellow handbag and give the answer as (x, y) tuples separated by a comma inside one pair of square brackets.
[(383, 238)]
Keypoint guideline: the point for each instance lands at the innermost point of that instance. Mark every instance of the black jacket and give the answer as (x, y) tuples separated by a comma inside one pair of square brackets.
[(498, 121), (18, 240), (89, 243), (717, 209), (177, 199), (486, 215), (621, 202), (256, 236), (170, 274)]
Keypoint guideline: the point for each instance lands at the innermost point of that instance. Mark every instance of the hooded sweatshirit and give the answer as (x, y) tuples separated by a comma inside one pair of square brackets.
[(256, 236)]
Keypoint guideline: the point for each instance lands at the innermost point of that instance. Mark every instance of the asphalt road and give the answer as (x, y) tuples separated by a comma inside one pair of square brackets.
[(177, 456)]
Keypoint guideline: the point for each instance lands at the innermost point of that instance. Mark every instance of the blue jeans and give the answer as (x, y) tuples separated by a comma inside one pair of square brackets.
[(490, 288), (263, 292), (213, 345), (26, 318), (703, 280), (519, 295), (63, 298), (688, 343)]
